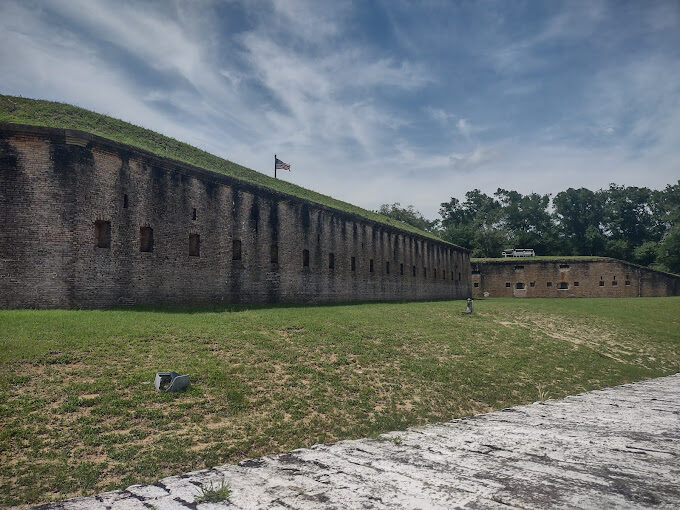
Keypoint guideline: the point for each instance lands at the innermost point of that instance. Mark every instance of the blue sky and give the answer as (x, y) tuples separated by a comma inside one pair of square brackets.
[(375, 102)]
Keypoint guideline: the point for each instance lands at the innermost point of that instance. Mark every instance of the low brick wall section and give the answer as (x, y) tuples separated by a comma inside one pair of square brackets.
[(87, 222), (569, 277)]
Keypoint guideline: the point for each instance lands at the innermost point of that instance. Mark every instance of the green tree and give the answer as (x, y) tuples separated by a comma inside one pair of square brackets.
[(528, 220), (578, 213)]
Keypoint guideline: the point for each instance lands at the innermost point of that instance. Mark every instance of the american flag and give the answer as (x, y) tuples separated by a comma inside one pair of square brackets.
[(280, 165)]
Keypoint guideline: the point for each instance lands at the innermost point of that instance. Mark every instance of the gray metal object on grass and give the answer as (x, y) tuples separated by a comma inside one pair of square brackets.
[(171, 381)]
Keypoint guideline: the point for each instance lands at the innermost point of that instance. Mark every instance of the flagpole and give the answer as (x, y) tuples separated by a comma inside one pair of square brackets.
[(274, 166)]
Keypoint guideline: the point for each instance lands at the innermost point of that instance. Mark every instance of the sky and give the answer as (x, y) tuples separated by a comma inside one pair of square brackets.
[(375, 102)]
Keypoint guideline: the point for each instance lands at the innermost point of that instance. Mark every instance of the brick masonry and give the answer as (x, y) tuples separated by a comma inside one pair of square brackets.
[(75, 207), (569, 277)]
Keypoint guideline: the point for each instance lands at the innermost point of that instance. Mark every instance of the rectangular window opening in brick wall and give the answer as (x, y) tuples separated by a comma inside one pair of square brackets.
[(519, 285), (370, 266), (125, 201), (507, 285), (193, 214), (387, 267), (194, 245), (615, 283), (532, 284), (476, 284), (576, 284), (601, 284), (564, 266), (274, 253), (236, 249), (145, 239), (102, 232), (353, 262), (401, 269), (548, 284), (331, 261), (305, 258), (628, 282), (563, 286)]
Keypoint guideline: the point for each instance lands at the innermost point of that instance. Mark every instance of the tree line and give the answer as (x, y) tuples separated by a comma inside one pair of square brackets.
[(630, 223)]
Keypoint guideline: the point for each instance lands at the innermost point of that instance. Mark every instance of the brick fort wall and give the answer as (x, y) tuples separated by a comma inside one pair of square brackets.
[(569, 277), (87, 222)]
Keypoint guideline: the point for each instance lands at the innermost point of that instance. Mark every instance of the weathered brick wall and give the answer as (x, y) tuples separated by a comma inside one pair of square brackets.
[(55, 184), (524, 277)]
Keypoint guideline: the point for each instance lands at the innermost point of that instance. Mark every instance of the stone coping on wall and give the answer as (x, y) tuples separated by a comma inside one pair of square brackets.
[(557, 259), (84, 138)]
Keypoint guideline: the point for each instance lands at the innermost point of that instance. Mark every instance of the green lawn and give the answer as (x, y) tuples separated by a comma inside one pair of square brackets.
[(37, 112), (78, 415)]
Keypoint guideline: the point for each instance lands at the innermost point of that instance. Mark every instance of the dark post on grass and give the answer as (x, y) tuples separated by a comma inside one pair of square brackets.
[(468, 310)]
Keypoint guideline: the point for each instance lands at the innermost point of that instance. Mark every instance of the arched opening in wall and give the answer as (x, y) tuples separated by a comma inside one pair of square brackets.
[(274, 253), (331, 261), (102, 233), (305, 258), (563, 286), (146, 239), (353, 263), (194, 245), (519, 285), (370, 266), (125, 201), (387, 267), (236, 249)]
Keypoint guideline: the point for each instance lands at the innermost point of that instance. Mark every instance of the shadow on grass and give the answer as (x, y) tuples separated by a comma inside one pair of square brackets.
[(234, 308)]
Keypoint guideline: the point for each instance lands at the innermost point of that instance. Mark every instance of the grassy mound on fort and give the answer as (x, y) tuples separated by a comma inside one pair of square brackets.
[(79, 414), (36, 112)]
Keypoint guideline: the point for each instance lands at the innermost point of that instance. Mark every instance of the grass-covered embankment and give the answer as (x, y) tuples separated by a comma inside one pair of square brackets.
[(38, 112), (78, 415)]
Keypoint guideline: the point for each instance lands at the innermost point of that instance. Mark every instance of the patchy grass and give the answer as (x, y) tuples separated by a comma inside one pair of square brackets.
[(214, 494), (38, 112), (79, 414)]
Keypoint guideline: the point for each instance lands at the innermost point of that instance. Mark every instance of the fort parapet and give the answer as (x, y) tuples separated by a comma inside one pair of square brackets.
[(89, 222), (569, 277)]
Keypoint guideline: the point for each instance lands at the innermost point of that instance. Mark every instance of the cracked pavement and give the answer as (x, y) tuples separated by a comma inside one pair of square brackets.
[(612, 448)]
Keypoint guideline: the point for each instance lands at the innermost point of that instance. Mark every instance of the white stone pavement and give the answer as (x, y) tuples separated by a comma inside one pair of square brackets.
[(612, 448)]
